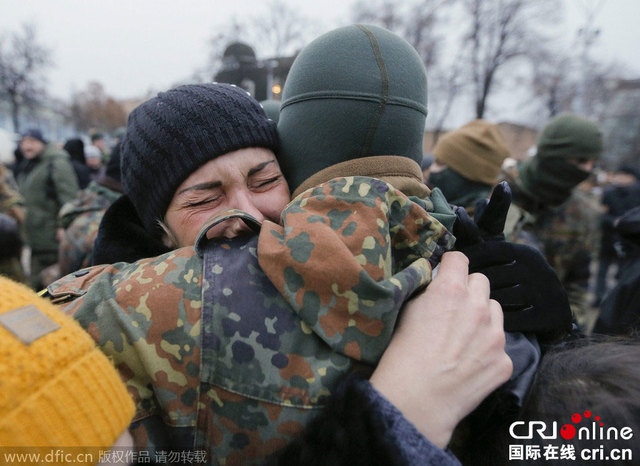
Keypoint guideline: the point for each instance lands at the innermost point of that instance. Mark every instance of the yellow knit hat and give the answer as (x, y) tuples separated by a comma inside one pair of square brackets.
[(56, 388), (476, 151)]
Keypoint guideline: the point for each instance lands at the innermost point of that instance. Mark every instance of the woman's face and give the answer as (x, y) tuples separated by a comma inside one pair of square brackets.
[(247, 179)]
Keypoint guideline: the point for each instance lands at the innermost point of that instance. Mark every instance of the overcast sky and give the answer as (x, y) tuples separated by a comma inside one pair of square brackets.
[(133, 46)]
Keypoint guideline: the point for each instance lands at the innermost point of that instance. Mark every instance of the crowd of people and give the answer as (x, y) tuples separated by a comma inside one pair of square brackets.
[(295, 282)]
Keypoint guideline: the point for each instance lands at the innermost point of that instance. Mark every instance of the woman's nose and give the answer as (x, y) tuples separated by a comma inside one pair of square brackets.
[(243, 200)]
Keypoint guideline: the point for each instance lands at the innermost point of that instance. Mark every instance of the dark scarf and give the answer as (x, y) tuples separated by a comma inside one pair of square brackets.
[(25, 166), (550, 180), (457, 189)]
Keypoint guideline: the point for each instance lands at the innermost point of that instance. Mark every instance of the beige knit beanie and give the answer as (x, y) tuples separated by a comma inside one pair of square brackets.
[(476, 151)]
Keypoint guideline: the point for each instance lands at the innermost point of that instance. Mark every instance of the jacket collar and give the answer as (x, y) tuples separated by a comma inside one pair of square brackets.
[(402, 173)]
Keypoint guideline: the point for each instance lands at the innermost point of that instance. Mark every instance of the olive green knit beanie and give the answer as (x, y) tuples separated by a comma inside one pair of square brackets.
[(571, 137), (357, 91)]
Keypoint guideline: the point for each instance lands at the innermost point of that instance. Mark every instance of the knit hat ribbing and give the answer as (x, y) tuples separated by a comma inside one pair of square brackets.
[(357, 91), (56, 388), (172, 135), (476, 151)]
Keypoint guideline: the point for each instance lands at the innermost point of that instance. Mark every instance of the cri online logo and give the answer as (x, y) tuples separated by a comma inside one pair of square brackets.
[(594, 431), (568, 431)]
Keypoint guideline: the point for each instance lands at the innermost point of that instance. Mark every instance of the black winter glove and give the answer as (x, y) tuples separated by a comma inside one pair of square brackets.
[(527, 288)]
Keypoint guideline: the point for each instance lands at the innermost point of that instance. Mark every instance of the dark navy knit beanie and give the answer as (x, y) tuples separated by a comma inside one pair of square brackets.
[(34, 133), (172, 135)]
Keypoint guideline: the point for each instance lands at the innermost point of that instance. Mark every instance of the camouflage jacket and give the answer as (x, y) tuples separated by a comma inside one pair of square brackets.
[(210, 349), (347, 273), (80, 219)]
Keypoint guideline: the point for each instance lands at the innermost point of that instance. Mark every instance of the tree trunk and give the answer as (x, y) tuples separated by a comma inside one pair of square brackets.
[(15, 110)]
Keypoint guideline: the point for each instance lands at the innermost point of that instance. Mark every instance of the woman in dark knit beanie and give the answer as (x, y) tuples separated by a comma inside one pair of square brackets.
[(187, 153)]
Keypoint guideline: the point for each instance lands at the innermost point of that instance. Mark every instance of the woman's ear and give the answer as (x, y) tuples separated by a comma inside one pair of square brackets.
[(168, 238)]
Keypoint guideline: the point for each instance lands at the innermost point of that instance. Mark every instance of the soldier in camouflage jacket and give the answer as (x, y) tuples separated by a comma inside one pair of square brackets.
[(81, 217), (550, 213), (261, 369), (224, 365)]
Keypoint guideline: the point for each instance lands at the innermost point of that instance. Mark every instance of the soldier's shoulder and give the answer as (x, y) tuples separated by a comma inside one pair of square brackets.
[(580, 207), (180, 269), (349, 190)]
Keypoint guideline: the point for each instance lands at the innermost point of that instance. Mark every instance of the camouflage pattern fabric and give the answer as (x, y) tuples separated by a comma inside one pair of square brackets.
[(11, 202), (346, 271), (566, 235), (197, 373), (269, 372), (81, 218), (146, 316), (210, 349)]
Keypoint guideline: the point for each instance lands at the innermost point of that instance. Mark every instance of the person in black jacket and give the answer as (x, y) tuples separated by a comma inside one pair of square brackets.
[(621, 196), (620, 309), (75, 148)]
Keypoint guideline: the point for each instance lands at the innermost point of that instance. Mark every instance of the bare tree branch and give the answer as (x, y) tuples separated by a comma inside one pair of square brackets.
[(93, 108), (22, 63)]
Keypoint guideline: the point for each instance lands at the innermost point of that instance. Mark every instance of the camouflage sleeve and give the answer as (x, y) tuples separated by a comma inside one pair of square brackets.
[(146, 316), (348, 254), (76, 246), (570, 237), (65, 214)]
